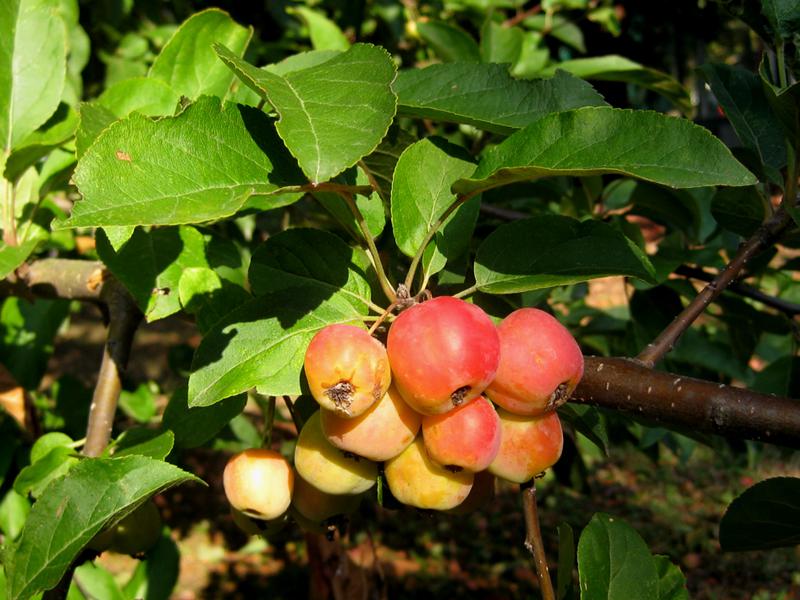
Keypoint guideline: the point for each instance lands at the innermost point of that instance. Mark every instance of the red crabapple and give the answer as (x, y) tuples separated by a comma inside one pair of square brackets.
[(443, 352), (528, 445), (540, 363), (467, 437), (347, 369)]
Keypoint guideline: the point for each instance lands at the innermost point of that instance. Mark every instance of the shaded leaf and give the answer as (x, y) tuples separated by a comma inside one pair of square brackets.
[(614, 563), (741, 210), (144, 442), (151, 263), (331, 114), (450, 43), (486, 96), (206, 295), (671, 582), (195, 426), (767, 515), (597, 140), (300, 257), (618, 68), (200, 165), (551, 250), (34, 478), (588, 421), (742, 96), (150, 97)]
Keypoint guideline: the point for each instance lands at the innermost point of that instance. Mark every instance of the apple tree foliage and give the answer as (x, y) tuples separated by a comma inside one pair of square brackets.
[(267, 182)]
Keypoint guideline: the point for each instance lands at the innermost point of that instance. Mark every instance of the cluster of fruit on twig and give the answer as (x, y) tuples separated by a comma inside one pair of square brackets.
[(449, 403)]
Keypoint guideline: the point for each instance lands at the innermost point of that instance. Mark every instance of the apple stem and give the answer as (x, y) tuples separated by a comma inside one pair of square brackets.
[(534, 542)]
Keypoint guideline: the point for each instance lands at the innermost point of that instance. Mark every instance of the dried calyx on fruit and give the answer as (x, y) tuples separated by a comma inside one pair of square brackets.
[(347, 369)]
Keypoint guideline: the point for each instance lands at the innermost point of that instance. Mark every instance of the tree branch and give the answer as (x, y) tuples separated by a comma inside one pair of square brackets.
[(769, 231), (533, 540), (748, 291), (674, 400), (123, 319)]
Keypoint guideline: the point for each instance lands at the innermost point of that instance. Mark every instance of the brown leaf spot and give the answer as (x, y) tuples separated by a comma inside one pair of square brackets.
[(123, 156)]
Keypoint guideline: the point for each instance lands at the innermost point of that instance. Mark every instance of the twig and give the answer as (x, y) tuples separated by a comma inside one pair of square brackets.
[(790, 308), (296, 418), (769, 231), (503, 213), (383, 317), (673, 400), (386, 285), (521, 16), (123, 319), (533, 540), (432, 231)]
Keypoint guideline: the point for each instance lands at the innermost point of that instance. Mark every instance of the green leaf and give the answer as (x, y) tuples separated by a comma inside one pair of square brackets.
[(118, 235), (48, 442), (14, 509), (94, 118), (324, 33), (421, 195), (33, 67), (371, 208), (301, 61), (34, 478), (587, 421), (151, 263), (550, 250), (12, 257), (140, 404), (303, 257), (671, 582), (150, 97), (765, 516), (195, 426), (558, 27), (450, 43), (94, 581), (614, 563), (263, 343), (331, 114), (618, 68), (144, 442), (155, 577), (598, 140), (486, 96), (742, 96), (500, 44), (566, 560), (382, 161), (785, 103), (59, 128), (784, 18), (206, 295), (200, 165), (27, 330), (96, 492), (187, 62), (741, 210)]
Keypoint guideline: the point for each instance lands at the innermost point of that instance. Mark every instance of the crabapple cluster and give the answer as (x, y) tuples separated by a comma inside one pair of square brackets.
[(451, 402)]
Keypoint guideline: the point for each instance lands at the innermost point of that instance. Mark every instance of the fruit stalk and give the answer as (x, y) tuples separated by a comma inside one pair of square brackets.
[(533, 540)]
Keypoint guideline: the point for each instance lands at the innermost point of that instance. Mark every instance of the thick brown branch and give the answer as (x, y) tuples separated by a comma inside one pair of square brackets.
[(674, 400), (57, 278), (769, 231), (533, 540)]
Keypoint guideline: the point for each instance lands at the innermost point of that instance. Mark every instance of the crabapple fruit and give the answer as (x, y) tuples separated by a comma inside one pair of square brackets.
[(443, 352), (347, 369), (481, 494), (315, 505), (528, 445), (259, 483), (326, 467), (540, 363), (382, 432), (253, 526), (466, 437), (416, 480), (137, 532)]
